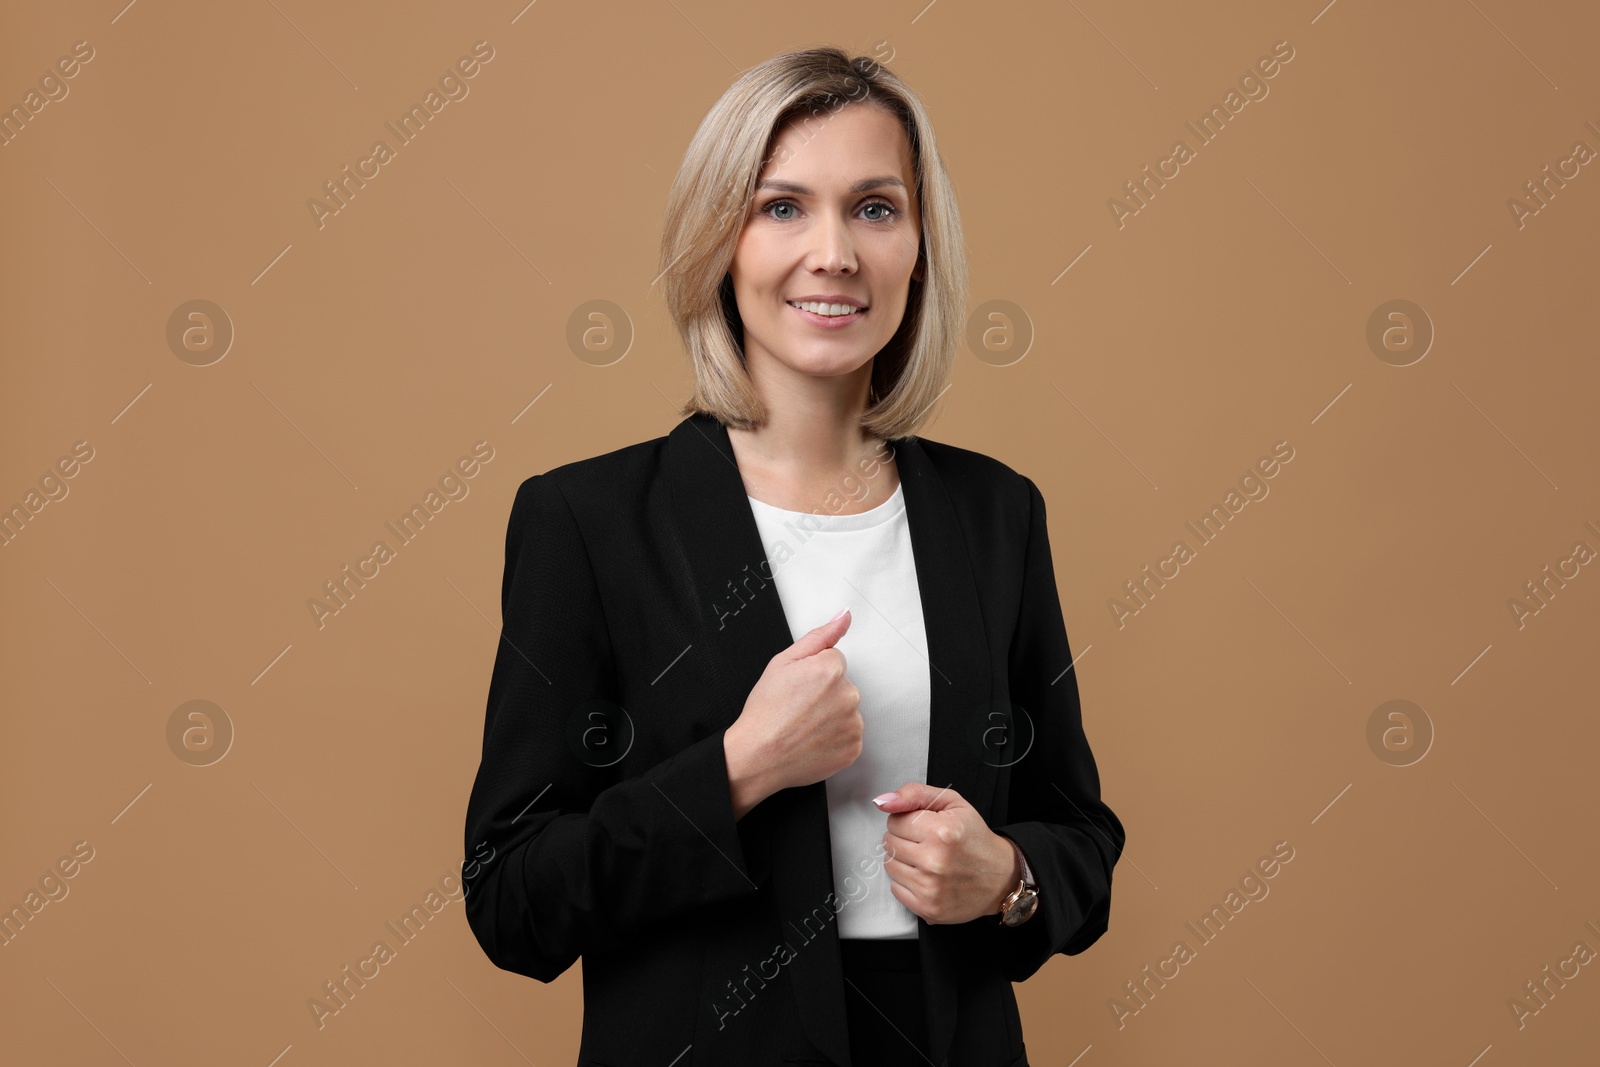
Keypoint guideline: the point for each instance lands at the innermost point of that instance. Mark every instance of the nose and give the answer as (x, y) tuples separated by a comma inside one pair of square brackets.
[(832, 248)]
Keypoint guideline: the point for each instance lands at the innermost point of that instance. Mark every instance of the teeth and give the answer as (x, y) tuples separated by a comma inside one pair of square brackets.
[(824, 309)]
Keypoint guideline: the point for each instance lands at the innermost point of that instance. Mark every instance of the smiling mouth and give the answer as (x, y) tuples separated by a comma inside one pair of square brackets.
[(830, 311)]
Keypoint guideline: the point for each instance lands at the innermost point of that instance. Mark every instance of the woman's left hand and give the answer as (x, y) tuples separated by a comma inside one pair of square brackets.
[(945, 864)]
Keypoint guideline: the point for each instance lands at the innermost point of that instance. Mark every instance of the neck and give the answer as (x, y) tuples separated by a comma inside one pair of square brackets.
[(813, 423)]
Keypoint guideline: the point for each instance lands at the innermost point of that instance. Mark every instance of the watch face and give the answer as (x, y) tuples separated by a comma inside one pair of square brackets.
[(1022, 910)]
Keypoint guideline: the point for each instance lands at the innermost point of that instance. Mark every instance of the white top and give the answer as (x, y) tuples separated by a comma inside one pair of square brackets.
[(821, 563)]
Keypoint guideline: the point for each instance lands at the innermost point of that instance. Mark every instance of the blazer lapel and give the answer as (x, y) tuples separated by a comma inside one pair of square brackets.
[(744, 619)]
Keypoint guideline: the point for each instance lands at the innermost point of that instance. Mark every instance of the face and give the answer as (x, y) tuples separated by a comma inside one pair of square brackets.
[(835, 215)]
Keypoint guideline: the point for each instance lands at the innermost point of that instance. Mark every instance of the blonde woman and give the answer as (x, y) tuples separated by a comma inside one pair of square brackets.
[(782, 738)]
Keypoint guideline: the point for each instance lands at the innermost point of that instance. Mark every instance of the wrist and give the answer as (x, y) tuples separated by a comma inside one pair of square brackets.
[(746, 784)]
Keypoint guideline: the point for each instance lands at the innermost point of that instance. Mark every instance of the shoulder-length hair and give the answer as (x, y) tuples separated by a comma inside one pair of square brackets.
[(711, 197)]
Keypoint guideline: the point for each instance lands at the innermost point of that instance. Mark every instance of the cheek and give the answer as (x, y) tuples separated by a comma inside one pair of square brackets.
[(897, 255), (752, 267)]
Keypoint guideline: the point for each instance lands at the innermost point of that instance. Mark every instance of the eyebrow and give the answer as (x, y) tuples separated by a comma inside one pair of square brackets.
[(858, 187)]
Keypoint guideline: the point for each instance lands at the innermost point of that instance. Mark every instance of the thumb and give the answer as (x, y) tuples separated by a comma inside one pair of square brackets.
[(915, 795), (825, 636)]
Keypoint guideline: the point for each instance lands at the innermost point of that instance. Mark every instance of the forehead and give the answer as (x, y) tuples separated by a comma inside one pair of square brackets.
[(839, 147)]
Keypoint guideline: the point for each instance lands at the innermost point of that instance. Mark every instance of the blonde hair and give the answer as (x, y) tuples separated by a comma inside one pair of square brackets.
[(706, 210)]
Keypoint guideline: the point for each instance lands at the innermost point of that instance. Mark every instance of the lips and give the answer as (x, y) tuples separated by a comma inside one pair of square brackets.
[(829, 322)]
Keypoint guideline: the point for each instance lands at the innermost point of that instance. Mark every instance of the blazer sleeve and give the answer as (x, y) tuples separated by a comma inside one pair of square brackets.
[(573, 858), (1070, 837)]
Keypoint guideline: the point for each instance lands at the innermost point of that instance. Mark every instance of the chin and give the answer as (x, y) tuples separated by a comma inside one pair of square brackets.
[(829, 365)]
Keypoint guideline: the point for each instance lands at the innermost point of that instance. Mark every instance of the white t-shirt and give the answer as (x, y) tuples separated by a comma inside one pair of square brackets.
[(820, 564)]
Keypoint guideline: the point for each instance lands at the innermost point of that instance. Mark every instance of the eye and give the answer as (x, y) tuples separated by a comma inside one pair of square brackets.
[(890, 212)]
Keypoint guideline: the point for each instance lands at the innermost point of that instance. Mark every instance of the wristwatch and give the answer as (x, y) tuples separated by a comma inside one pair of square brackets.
[(1023, 901)]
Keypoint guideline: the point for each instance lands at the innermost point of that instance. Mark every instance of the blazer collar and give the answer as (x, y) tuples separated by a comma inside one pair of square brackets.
[(745, 625)]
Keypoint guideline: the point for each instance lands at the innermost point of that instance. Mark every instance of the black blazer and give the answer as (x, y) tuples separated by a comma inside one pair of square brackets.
[(639, 612)]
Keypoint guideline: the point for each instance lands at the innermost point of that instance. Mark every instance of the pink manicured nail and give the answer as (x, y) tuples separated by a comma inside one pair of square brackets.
[(884, 798)]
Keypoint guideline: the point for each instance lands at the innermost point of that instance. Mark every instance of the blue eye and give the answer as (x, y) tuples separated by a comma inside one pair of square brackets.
[(890, 211)]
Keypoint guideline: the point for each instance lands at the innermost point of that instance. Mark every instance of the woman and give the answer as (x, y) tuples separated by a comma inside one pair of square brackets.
[(775, 836)]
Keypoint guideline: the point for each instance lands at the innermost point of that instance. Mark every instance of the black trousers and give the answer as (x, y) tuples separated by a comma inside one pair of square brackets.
[(884, 1000)]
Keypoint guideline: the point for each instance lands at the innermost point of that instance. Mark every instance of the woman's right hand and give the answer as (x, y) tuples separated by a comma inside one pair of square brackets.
[(802, 721)]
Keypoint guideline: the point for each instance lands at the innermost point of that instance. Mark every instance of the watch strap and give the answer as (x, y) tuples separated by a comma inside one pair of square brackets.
[(1027, 872)]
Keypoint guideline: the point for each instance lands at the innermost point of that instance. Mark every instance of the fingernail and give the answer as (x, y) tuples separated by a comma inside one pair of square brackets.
[(884, 798), (841, 612)]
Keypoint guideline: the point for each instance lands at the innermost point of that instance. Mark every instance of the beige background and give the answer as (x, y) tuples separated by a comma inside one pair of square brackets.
[(369, 354)]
